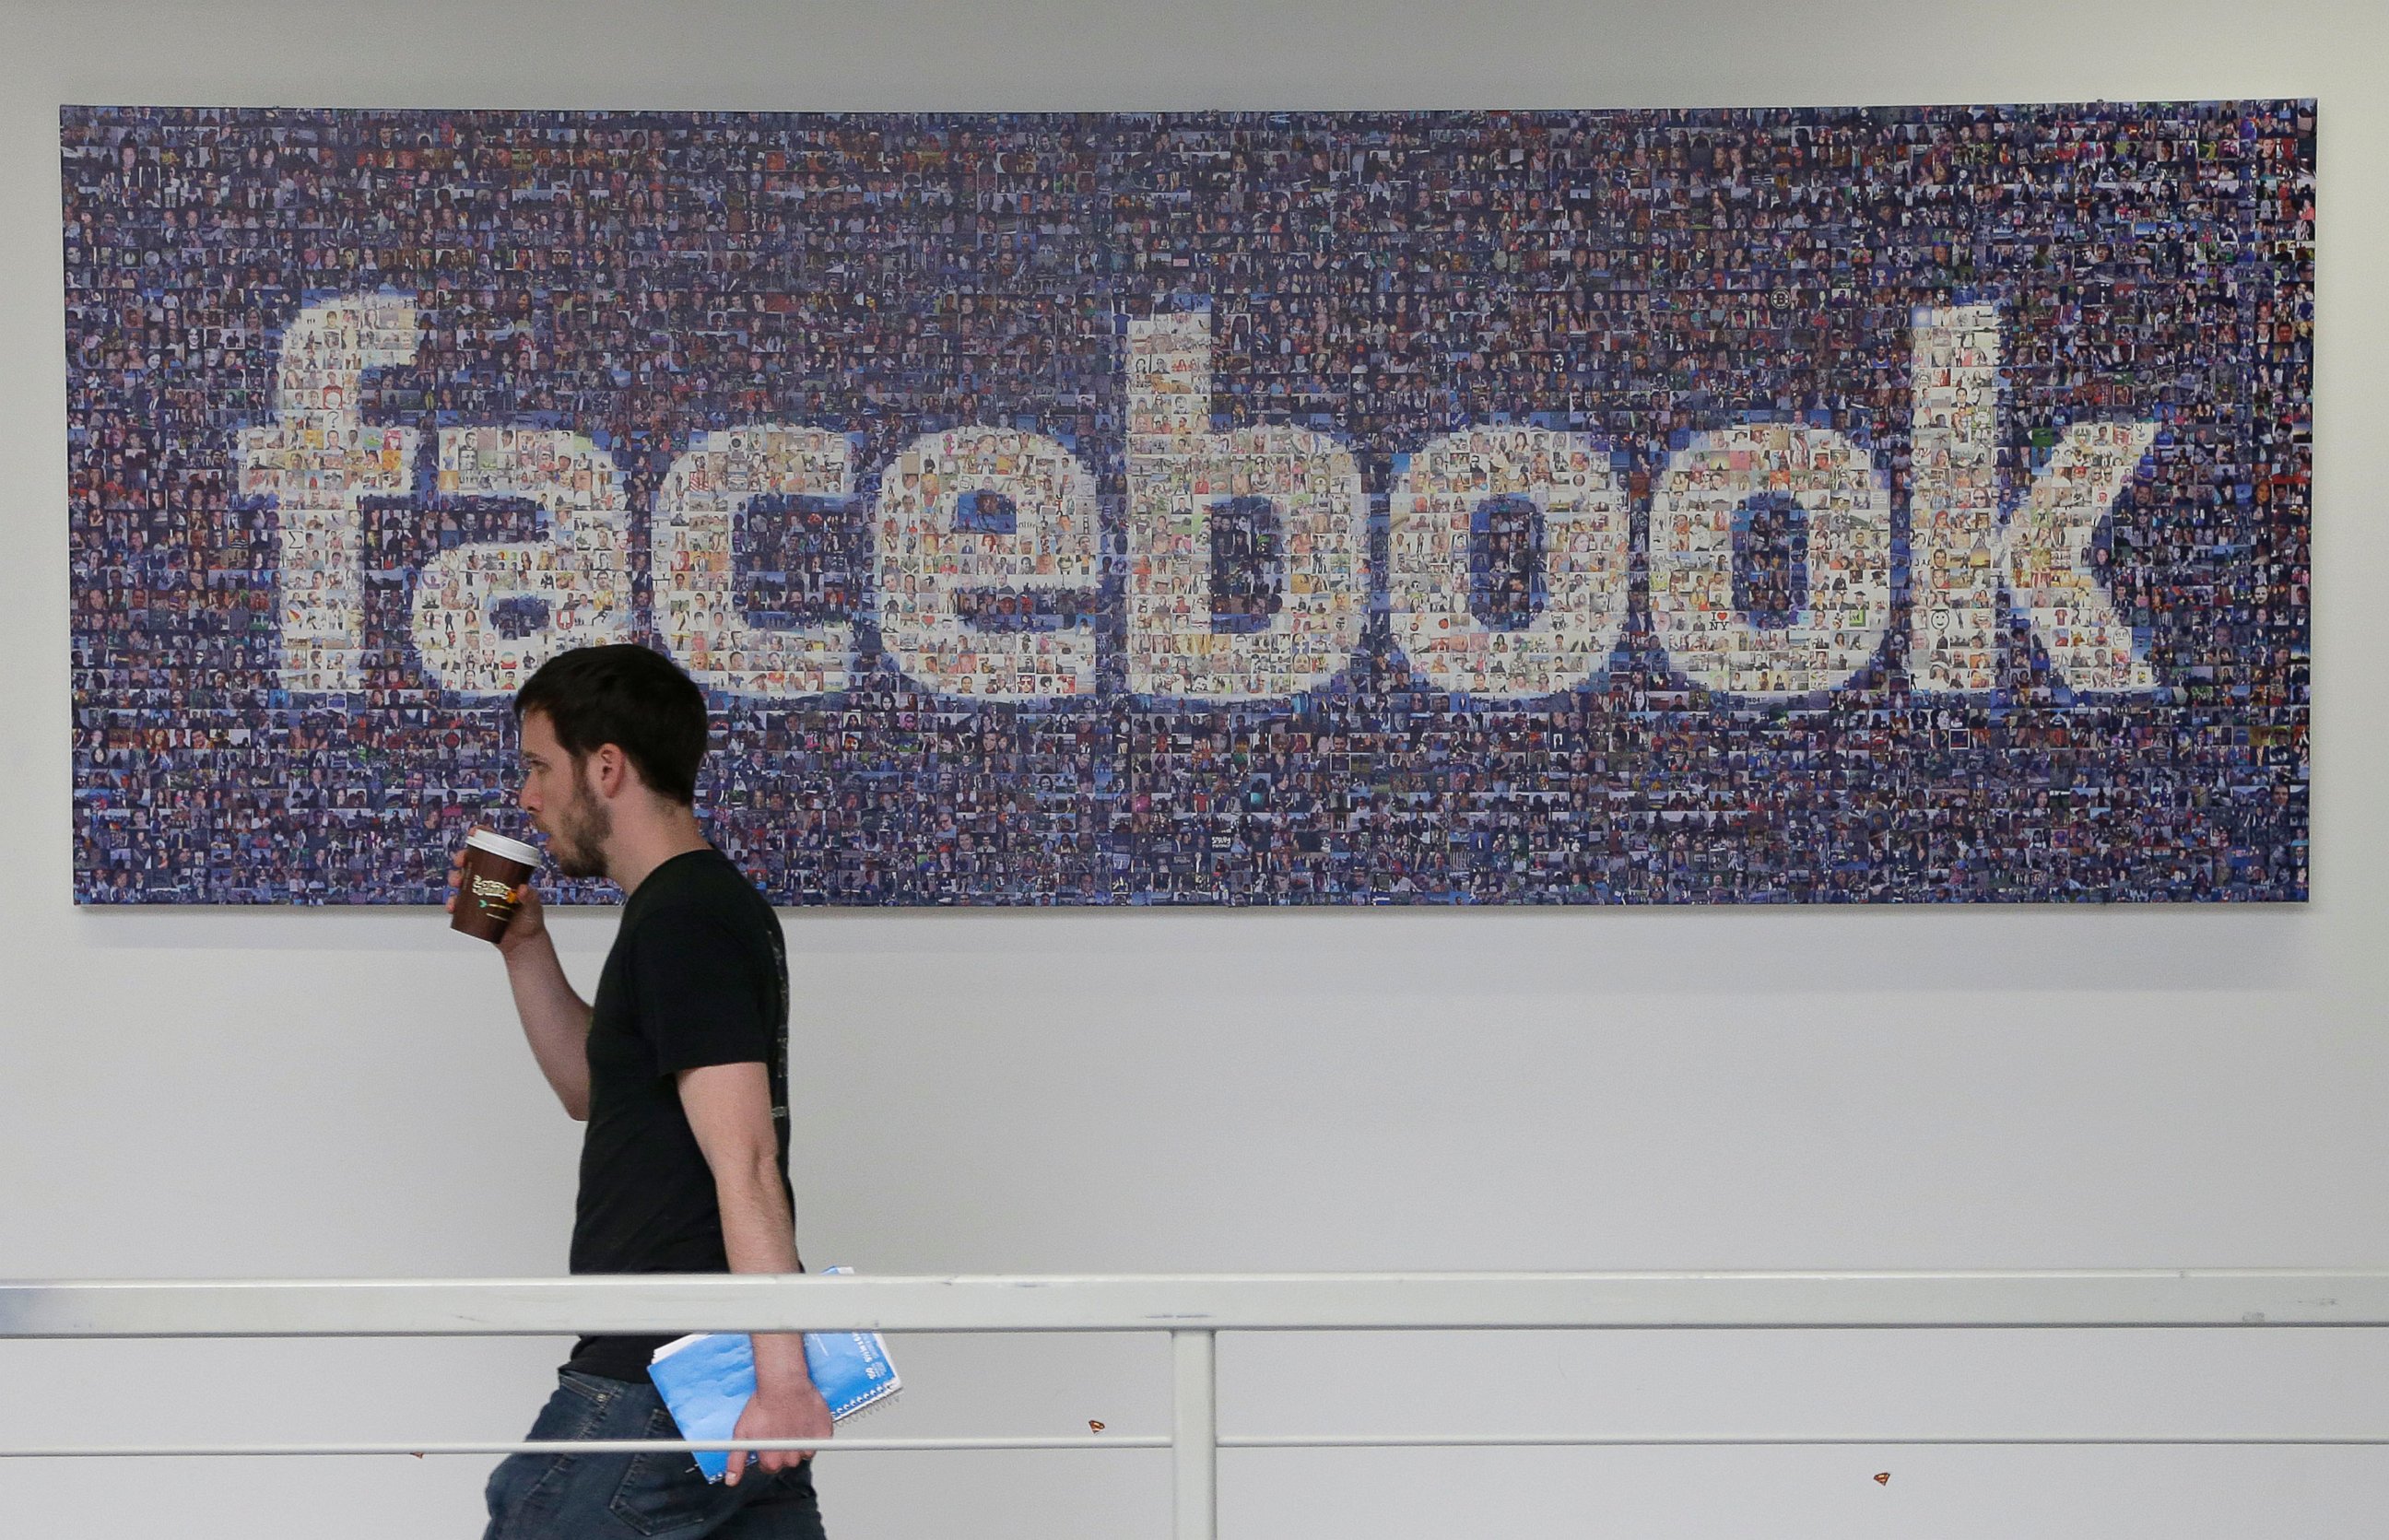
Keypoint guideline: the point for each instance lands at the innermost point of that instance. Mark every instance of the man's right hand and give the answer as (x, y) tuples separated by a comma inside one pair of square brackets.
[(554, 1019), (530, 922)]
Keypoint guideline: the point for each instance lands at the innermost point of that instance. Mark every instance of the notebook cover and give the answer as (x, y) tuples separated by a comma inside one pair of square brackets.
[(707, 1380)]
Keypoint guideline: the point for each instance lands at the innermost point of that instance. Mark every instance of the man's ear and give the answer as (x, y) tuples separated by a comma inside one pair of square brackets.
[(608, 770)]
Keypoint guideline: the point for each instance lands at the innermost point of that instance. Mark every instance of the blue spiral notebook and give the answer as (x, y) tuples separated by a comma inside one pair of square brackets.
[(705, 1381)]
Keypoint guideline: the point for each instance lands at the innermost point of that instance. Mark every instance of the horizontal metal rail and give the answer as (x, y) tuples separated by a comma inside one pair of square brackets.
[(1226, 1440), (1193, 1310), (1337, 1301), (596, 1447)]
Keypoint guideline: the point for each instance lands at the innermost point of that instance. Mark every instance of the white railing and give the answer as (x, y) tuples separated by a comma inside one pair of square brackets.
[(1193, 1310)]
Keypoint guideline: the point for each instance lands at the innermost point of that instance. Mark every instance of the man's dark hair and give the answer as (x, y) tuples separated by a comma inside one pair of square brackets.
[(629, 696)]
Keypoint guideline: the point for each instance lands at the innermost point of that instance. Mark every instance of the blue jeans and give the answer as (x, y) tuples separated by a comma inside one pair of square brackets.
[(567, 1496)]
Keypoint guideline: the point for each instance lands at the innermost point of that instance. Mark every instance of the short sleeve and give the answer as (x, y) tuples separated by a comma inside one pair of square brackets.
[(700, 998)]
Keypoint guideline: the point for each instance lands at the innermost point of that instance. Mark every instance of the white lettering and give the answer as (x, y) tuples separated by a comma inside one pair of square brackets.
[(1958, 551), (1248, 574), (487, 615), (697, 611), (1294, 498), (1954, 543), (996, 517), (2049, 549), (1846, 605), (317, 460), (1565, 478)]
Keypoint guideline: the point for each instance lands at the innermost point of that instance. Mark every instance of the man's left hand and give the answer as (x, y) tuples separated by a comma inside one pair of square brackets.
[(785, 1412)]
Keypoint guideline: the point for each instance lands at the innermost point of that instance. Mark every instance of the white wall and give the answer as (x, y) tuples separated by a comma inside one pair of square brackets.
[(209, 1094)]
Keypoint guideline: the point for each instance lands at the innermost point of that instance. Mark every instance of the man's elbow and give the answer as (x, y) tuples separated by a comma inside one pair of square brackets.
[(750, 1171)]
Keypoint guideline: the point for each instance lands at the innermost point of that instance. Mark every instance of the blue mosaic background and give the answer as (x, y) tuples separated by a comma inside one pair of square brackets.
[(1641, 276)]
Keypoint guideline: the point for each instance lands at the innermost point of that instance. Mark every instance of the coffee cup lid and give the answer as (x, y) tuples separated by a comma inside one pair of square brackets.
[(498, 844)]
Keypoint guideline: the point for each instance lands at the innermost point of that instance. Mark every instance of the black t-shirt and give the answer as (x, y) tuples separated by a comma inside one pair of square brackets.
[(698, 975)]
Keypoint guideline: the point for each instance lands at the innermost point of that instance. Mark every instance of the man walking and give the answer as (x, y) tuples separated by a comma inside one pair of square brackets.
[(680, 1070)]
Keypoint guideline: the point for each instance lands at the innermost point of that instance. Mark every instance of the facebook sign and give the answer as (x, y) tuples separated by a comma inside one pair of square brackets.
[(1799, 504)]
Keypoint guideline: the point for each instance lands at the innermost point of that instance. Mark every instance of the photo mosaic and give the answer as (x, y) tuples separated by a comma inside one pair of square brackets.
[(1669, 506)]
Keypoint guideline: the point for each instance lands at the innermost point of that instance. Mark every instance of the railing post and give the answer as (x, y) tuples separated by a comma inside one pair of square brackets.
[(1194, 1434)]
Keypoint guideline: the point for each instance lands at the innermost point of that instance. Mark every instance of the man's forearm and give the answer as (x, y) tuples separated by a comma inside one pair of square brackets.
[(555, 1020), (758, 1234)]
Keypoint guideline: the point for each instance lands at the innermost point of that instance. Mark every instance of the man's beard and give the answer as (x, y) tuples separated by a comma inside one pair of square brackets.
[(583, 827)]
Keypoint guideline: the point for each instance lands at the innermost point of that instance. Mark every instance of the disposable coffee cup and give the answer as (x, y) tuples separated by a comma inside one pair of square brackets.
[(494, 867)]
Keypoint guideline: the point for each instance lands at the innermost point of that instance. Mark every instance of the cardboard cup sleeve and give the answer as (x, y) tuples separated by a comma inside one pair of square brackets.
[(494, 867)]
